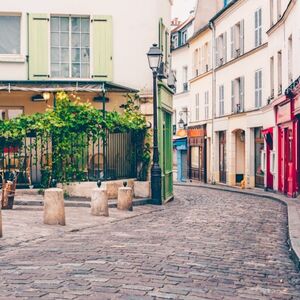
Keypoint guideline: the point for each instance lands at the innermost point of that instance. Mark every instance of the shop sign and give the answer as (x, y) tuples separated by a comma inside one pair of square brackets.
[(284, 113), (199, 132)]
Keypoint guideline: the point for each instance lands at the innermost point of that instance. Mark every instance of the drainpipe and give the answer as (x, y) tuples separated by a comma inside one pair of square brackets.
[(213, 111)]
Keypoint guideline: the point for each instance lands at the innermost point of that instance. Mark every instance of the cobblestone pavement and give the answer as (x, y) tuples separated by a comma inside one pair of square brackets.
[(204, 245)]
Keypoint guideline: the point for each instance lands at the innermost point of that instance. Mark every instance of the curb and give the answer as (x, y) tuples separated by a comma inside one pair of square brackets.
[(68, 203), (294, 254)]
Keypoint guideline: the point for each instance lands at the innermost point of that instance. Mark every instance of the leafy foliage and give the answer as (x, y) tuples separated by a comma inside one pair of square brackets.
[(70, 126)]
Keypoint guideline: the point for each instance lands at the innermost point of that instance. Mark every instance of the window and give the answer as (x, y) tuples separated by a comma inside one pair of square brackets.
[(290, 58), (271, 13), (258, 27), (221, 49), (237, 95), (197, 114), (206, 53), (195, 157), (278, 9), (206, 105), (70, 47), (258, 88), (272, 77), (196, 62), (221, 100), (10, 36), (185, 79), (279, 58), (183, 37), (7, 113), (237, 39)]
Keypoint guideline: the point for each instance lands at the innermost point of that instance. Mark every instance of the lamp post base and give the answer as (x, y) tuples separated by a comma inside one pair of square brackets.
[(156, 194)]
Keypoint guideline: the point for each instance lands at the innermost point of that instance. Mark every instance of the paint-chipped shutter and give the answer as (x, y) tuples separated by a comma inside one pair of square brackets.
[(232, 97), (232, 42), (242, 37), (102, 48), (242, 93), (38, 48)]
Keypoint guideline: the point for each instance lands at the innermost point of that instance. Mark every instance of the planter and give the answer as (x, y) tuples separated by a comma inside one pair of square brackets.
[(142, 189)]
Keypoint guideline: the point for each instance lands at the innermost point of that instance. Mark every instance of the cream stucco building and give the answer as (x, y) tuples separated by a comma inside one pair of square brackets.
[(243, 56)]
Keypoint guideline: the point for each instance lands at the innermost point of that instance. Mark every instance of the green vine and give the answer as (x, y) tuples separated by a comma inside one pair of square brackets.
[(70, 126)]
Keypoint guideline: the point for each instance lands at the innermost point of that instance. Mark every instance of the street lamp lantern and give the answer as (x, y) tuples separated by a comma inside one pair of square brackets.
[(154, 58), (181, 124)]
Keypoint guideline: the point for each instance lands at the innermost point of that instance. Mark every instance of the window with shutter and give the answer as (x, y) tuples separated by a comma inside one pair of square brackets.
[(258, 27), (197, 111), (221, 100), (258, 88), (241, 94), (242, 38), (206, 105)]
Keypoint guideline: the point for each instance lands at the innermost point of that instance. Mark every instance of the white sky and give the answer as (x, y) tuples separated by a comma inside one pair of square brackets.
[(182, 8)]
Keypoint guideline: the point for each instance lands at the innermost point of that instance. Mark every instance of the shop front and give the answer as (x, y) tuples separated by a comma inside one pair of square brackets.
[(287, 119), (180, 146), (197, 153)]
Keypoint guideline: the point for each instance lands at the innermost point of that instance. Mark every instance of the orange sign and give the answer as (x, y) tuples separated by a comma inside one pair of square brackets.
[(196, 132)]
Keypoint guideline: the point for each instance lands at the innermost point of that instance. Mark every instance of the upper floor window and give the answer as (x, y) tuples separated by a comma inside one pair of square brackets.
[(279, 66), (258, 27), (221, 100), (278, 9), (70, 47), (196, 62), (272, 77), (237, 94), (271, 13), (237, 39), (185, 79), (290, 58), (197, 107), (10, 36), (258, 88), (221, 49), (183, 37), (206, 105)]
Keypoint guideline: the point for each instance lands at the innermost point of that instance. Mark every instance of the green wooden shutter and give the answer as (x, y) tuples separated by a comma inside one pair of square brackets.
[(38, 31), (102, 48)]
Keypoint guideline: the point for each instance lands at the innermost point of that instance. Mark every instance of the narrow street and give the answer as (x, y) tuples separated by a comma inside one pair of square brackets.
[(206, 244)]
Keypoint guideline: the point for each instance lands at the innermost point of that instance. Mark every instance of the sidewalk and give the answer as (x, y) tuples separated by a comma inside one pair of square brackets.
[(293, 208)]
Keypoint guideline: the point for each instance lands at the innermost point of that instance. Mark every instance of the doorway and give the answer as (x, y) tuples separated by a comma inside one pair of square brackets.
[(258, 151), (222, 156)]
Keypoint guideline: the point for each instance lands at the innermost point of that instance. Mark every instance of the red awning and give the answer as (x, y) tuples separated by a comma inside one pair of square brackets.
[(267, 131)]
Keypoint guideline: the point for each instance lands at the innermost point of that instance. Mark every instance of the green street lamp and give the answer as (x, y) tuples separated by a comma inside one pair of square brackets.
[(155, 59)]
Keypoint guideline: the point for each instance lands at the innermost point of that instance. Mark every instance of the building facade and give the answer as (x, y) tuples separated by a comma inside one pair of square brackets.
[(244, 124), (89, 48)]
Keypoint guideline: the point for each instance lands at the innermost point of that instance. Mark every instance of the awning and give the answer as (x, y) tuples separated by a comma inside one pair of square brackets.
[(63, 85), (267, 131)]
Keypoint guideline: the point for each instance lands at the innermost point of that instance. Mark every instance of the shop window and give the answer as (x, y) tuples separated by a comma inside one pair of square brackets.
[(263, 160), (7, 113), (195, 157), (272, 162)]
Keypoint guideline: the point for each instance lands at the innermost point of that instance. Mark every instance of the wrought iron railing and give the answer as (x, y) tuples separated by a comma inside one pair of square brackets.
[(35, 164)]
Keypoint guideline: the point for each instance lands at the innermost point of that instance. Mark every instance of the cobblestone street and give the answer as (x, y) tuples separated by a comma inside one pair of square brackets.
[(206, 244)]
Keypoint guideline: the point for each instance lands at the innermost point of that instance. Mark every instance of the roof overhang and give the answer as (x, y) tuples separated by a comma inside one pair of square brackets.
[(63, 85)]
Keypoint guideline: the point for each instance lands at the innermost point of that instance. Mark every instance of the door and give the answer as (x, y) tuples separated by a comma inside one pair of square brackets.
[(184, 164), (269, 142), (291, 176), (222, 156), (259, 147)]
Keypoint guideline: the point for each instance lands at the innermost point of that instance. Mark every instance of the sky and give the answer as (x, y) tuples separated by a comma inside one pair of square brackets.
[(182, 8)]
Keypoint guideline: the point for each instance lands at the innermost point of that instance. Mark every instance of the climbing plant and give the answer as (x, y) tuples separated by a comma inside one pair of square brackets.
[(70, 126)]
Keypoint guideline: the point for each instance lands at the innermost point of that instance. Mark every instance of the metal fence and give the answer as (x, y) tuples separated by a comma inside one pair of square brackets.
[(34, 164)]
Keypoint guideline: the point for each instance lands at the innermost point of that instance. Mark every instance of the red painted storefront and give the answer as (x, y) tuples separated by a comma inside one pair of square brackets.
[(288, 120)]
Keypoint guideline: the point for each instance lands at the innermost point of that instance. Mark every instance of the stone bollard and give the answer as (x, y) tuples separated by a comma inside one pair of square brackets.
[(125, 196), (54, 207), (0, 222), (99, 202)]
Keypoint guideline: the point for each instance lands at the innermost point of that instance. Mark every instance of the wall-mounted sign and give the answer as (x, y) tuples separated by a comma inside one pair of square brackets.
[(284, 113)]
